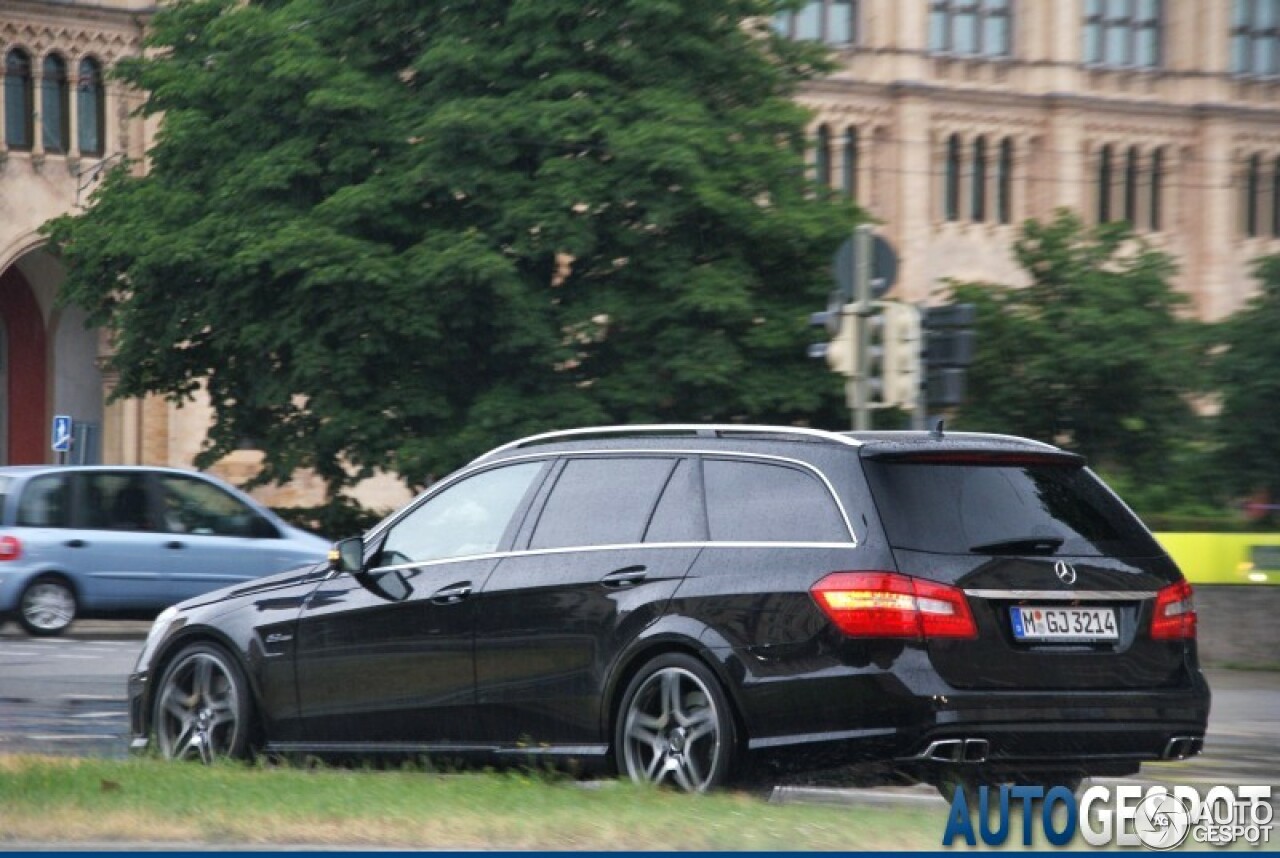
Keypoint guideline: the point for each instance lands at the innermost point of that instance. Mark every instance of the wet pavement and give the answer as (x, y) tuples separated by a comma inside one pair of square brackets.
[(66, 696)]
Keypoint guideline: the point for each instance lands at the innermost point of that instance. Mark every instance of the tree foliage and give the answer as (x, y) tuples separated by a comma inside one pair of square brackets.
[(391, 233), (1247, 375), (1093, 353)]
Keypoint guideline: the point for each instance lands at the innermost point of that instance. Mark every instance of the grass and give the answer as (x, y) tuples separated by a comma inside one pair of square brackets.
[(65, 801)]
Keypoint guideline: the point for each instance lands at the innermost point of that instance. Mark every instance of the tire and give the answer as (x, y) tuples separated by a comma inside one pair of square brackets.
[(674, 726), (201, 710), (47, 606)]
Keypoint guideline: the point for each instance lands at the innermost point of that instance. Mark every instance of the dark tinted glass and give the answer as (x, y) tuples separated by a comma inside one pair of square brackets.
[(955, 509), (601, 502), (681, 516), (756, 502), (118, 501), (46, 502)]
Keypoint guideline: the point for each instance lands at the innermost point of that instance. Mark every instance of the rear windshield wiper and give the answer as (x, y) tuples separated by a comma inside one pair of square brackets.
[(1020, 545)]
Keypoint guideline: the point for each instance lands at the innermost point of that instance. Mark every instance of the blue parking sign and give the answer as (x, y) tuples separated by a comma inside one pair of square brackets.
[(61, 433)]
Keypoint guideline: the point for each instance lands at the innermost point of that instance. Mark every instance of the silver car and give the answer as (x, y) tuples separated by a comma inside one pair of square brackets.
[(100, 541)]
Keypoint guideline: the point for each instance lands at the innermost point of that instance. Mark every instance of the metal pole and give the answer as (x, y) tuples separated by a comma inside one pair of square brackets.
[(860, 384)]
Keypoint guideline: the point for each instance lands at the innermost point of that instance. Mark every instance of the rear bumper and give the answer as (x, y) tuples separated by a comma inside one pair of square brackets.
[(895, 716)]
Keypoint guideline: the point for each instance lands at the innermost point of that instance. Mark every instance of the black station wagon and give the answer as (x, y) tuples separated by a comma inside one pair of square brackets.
[(693, 604)]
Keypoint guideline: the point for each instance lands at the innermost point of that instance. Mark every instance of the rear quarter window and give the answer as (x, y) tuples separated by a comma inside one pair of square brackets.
[(956, 509), (46, 502), (764, 502)]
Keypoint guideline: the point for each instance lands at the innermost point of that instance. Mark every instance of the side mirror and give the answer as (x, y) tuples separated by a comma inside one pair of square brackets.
[(347, 555)]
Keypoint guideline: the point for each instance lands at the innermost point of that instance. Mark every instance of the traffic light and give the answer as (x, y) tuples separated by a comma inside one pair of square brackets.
[(841, 351), (900, 364), (949, 346)]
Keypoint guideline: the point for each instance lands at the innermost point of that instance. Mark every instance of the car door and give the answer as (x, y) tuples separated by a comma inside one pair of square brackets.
[(372, 672), (119, 551), (215, 539), (553, 616)]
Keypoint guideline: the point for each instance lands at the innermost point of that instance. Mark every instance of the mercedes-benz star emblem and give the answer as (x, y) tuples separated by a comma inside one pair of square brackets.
[(1065, 571)]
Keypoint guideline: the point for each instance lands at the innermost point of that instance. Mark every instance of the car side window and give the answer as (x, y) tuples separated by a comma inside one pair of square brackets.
[(762, 502), (191, 505), (681, 515), (469, 517), (118, 500), (45, 502), (605, 501)]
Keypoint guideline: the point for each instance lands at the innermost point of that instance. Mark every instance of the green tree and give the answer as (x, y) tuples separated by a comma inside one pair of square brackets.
[(1092, 353), (1247, 374), (390, 233)]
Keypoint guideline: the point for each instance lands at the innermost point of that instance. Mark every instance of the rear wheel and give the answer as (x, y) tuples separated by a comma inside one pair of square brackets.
[(47, 606), (202, 707), (674, 726)]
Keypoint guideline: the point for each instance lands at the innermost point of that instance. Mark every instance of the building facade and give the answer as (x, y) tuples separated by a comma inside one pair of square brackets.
[(952, 121)]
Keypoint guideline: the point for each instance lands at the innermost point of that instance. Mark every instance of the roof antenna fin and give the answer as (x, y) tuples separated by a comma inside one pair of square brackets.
[(937, 430)]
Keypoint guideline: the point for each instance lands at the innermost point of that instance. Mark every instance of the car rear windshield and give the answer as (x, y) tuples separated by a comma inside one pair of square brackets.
[(995, 507), (4, 491)]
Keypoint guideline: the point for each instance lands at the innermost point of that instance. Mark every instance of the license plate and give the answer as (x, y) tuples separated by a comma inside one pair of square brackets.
[(1064, 624)]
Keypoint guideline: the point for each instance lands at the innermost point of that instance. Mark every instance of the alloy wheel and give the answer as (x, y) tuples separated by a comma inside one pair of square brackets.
[(48, 607), (198, 709), (673, 732)]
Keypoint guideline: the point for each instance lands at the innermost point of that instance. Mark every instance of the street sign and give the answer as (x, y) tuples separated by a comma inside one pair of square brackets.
[(61, 442), (884, 268)]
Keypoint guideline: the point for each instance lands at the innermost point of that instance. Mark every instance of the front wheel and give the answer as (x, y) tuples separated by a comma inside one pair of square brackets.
[(47, 606), (674, 726), (202, 707)]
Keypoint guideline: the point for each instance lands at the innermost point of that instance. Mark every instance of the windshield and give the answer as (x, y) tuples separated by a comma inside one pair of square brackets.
[(997, 508), (5, 482)]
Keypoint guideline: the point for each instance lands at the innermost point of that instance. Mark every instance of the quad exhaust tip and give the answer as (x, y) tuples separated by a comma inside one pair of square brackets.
[(957, 751), (1181, 747)]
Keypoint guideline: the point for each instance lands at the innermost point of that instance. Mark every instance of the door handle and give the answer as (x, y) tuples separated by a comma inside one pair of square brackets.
[(175, 544), (628, 576), (451, 595), (75, 543)]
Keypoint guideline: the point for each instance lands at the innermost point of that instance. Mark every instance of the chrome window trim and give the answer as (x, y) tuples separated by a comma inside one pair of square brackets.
[(624, 546), (478, 466), (1065, 595)]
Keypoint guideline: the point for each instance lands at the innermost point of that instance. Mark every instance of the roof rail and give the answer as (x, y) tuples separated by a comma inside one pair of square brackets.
[(712, 430)]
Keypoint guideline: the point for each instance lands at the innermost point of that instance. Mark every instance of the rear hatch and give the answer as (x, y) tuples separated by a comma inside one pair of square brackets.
[(1061, 577)]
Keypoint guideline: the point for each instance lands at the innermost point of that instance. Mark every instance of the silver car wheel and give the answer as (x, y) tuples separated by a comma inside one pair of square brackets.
[(672, 732), (198, 709), (48, 606)]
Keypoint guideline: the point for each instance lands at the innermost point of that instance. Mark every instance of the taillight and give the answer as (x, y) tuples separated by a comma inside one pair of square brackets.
[(1175, 614), (889, 605), (10, 548)]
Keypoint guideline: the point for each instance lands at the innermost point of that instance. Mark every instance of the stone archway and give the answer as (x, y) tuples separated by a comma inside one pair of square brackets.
[(25, 371), (49, 364)]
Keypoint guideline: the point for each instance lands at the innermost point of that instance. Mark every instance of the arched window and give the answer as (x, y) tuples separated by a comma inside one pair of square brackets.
[(1252, 190), (1275, 198), (978, 197), (1104, 185), (822, 159), (91, 108), (55, 105), (851, 163), (1004, 182), (18, 107), (1157, 181), (1131, 186), (951, 191)]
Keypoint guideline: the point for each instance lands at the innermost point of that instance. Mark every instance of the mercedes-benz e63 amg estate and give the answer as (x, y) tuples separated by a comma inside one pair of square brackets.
[(689, 604)]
